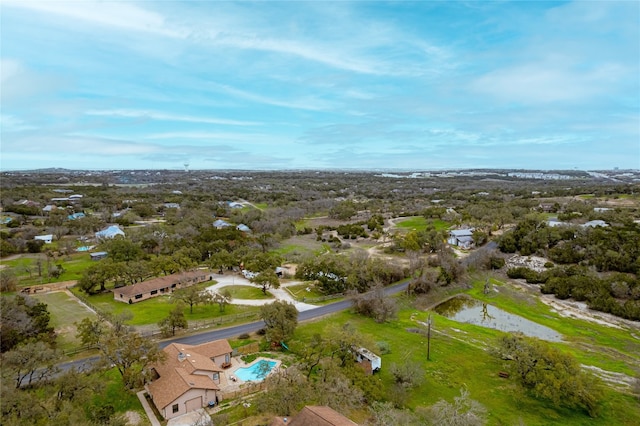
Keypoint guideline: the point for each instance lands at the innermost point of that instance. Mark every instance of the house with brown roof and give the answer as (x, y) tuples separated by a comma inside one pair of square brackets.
[(189, 378), (314, 415), (159, 286)]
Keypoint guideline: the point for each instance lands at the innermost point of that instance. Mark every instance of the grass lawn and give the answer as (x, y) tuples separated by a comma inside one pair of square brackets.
[(246, 292), (151, 311), (459, 359), (26, 268), (299, 245), (115, 394), (419, 223), (300, 291), (65, 311), (593, 344)]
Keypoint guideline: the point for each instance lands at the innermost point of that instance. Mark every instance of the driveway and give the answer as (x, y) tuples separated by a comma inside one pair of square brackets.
[(278, 293)]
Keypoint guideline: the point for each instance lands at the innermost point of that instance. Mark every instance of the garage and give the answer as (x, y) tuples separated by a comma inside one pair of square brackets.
[(194, 404)]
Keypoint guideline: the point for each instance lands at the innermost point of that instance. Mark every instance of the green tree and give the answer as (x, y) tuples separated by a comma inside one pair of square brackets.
[(123, 250), (266, 279), (551, 374), (281, 320), (23, 318), (174, 320), (97, 275), (189, 296), (8, 280), (122, 348), (33, 360)]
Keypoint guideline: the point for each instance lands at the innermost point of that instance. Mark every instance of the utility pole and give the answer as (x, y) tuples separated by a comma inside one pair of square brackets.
[(429, 338)]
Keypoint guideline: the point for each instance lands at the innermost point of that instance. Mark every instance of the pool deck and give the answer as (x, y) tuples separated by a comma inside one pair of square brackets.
[(234, 382), (232, 378)]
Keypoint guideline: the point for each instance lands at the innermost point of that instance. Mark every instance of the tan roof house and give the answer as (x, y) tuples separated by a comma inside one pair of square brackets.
[(188, 379), (158, 286), (314, 415)]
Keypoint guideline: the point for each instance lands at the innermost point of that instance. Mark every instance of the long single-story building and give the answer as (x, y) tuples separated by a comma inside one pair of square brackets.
[(189, 378), (159, 286)]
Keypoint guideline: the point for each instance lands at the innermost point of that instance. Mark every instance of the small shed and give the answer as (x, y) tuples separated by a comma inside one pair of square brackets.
[(46, 238), (370, 361), (98, 255)]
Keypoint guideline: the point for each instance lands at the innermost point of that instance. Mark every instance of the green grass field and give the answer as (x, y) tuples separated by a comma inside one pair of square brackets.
[(300, 292), (151, 311), (459, 360), (26, 268), (419, 223)]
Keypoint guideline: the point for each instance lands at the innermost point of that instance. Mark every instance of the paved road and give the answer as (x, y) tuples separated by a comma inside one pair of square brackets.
[(226, 333), (306, 315)]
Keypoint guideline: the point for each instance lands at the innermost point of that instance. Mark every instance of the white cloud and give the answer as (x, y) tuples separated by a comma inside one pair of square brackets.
[(547, 82), (307, 103), (108, 13), (9, 123), (157, 115)]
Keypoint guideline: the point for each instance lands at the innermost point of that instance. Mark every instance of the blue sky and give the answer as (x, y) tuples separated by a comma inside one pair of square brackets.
[(315, 85)]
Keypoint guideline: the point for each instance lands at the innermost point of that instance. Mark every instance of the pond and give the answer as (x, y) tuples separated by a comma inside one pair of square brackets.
[(468, 310)]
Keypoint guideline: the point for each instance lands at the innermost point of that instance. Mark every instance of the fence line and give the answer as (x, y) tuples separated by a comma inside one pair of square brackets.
[(322, 298)]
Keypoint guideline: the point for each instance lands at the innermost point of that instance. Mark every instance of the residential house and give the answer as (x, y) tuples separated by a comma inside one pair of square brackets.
[(46, 238), (75, 216), (243, 228), (48, 208), (158, 286), (189, 378), (220, 224), (595, 223), (171, 206), (314, 415), (462, 238), (110, 232)]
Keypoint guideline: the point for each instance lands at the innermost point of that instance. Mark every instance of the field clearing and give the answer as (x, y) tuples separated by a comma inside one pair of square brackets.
[(300, 245), (459, 359), (419, 223), (65, 312), (26, 268), (300, 292), (151, 311)]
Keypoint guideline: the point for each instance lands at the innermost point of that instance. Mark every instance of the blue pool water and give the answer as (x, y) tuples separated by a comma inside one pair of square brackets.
[(256, 372)]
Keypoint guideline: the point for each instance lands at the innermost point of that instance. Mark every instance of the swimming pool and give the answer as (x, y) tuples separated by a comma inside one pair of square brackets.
[(256, 372)]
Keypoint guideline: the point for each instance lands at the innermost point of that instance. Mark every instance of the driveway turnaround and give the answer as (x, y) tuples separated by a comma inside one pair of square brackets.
[(278, 293)]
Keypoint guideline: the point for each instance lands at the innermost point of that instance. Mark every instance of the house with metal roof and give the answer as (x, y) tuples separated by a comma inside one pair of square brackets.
[(110, 232), (462, 238)]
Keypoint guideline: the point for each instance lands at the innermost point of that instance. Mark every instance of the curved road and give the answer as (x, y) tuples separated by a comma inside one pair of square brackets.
[(225, 333)]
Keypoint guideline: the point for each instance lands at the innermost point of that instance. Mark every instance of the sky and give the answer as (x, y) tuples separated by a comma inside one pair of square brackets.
[(392, 85)]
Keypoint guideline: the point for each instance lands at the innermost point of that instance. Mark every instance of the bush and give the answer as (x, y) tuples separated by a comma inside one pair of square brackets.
[(243, 336), (383, 347), (496, 262)]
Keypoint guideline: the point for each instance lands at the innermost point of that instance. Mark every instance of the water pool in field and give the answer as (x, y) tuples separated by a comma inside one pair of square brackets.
[(255, 372), (473, 311)]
